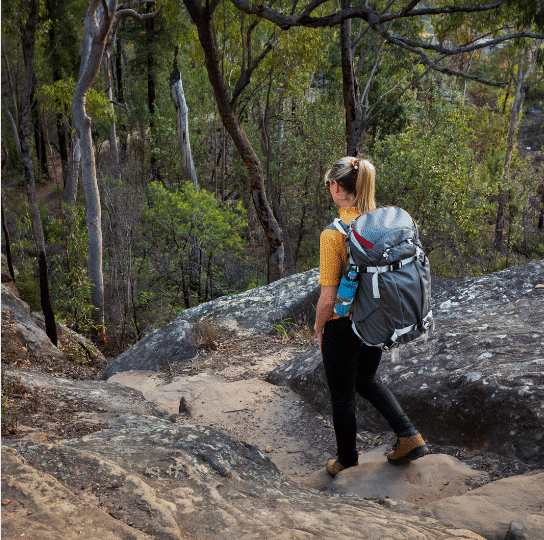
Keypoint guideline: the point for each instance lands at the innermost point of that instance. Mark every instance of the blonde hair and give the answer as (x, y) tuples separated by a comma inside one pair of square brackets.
[(355, 176)]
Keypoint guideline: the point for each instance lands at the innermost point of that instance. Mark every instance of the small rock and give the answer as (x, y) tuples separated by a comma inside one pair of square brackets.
[(269, 449)]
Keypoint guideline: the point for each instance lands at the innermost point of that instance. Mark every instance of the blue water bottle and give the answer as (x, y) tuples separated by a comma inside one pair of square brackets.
[(346, 292)]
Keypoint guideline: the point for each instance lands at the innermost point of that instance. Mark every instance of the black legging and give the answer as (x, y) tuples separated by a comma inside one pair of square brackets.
[(350, 366)]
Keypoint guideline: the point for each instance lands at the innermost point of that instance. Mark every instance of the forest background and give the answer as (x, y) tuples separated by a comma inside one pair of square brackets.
[(156, 155)]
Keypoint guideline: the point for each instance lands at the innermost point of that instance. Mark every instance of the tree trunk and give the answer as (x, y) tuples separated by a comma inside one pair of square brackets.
[(29, 40), (202, 18), (94, 43), (39, 142), (151, 88), (515, 115), (272, 192), (352, 106), (73, 174), (4, 221), (61, 133), (176, 87), (112, 131), (540, 225), (120, 94)]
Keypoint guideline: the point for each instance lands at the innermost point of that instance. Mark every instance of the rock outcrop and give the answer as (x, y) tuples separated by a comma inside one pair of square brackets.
[(172, 481), (478, 381), (152, 474), (491, 510), (288, 300), (170, 345), (28, 337)]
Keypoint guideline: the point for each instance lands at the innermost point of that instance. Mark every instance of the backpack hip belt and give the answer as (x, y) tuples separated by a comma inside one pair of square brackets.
[(424, 326)]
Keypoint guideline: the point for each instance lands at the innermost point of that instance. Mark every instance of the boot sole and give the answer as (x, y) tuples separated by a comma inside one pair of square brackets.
[(416, 453)]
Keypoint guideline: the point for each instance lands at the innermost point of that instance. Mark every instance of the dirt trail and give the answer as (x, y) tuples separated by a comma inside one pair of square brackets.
[(225, 389)]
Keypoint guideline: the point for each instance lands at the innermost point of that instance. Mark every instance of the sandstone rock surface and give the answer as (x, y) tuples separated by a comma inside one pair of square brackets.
[(490, 509), (105, 397), (530, 527), (272, 418), (289, 300), (29, 330), (37, 506), (421, 482), (174, 481), (479, 380), (172, 344)]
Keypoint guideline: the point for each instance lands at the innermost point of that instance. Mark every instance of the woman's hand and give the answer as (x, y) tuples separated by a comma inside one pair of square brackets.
[(324, 311), (319, 337)]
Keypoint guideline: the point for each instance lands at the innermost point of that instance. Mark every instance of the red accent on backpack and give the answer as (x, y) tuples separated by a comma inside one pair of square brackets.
[(365, 243)]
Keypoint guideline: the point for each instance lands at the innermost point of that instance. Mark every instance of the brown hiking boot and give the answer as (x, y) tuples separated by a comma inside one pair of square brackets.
[(334, 467), (407, 449)]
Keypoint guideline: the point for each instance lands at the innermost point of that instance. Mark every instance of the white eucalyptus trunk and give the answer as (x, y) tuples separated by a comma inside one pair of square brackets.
[(98, 23), (176, 87), (112, 132)]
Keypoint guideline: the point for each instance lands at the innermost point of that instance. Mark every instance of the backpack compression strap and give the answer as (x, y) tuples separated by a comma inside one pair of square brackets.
[(425, 325), (376, 270)]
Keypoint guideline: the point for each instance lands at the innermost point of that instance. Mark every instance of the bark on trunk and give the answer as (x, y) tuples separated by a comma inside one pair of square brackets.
[(74, 173), (4, 221), (120, 95), (94, 43), (151, 90), (202, 18), (500, 221), (29, 39), (352, 106), (112, 130), (272, 192), (176, 87)]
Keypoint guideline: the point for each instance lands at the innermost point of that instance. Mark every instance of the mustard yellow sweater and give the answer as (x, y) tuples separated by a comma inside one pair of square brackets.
[(333, 253)]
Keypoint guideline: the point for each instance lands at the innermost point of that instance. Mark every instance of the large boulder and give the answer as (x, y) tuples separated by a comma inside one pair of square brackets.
[(290, 300), (491, 509), (171, 345), (478, 381), (110, 398)]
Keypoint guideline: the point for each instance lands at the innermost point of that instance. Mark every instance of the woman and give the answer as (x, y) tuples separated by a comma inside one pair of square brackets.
[(350, 365)]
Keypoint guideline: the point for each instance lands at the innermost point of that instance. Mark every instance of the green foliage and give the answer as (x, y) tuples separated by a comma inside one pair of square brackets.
[(56, 98), (70, 286), (436, 171), (23, 251), (186, 234), (190, 213)]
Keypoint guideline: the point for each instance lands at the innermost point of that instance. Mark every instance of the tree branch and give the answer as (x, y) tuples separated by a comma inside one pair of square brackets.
[(138, 16), (456, 50), (408, 12), (402, 92), (361, 12), (122, 105), (245, 75)]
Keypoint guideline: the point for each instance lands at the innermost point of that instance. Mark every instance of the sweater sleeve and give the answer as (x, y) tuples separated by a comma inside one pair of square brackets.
[(333, 257)]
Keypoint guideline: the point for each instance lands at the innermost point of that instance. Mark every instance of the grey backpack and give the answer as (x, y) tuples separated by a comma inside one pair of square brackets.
[(392, 303)]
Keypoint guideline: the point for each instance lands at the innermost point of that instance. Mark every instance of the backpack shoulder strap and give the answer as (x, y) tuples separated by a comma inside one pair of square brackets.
[(339, 225)]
